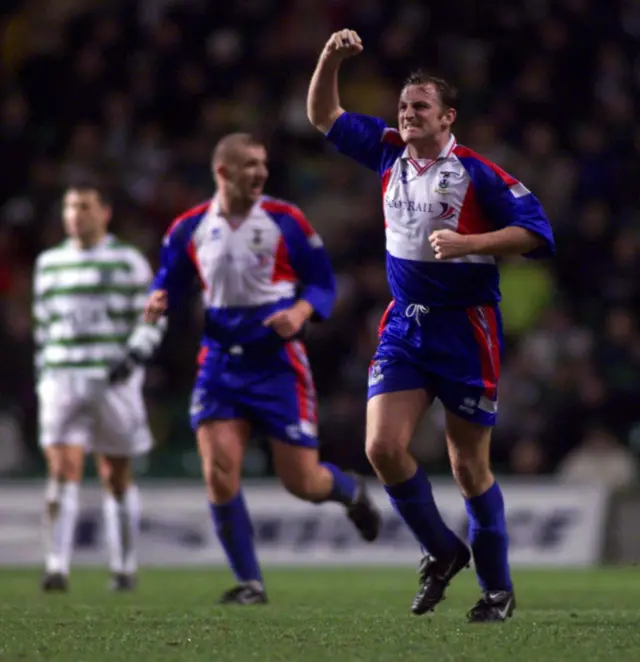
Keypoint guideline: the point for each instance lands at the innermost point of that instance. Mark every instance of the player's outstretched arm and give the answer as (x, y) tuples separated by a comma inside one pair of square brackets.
[(323, 99)]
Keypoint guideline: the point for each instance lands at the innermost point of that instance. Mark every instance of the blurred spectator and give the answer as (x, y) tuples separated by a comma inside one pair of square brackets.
[(600, 459), (527, 457)]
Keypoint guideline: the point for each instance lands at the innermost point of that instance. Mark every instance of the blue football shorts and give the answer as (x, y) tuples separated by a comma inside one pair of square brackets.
[(452, 353), (270, 387)]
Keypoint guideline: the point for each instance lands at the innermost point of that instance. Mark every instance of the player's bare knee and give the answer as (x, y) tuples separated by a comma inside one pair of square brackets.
[(72, 465), (222, 477), (55, 464), (383, 453), (391, 423), (221, 447), (222, 488)]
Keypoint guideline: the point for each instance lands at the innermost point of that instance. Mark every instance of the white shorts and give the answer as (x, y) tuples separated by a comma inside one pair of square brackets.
[(78, 411)]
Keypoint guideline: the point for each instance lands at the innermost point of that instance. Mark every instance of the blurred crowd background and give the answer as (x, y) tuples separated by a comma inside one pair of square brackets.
[(140, 90)]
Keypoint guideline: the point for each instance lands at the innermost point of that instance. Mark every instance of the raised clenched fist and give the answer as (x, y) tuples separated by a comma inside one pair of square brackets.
[(342, 45)]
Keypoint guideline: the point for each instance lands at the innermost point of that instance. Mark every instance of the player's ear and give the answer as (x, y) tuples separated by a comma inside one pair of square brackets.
[(107, 214), (222, 170), (449, 116)]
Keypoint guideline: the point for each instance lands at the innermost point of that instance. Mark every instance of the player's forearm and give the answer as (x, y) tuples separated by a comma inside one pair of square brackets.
[(512, 240), (304, 308), (323, 99)]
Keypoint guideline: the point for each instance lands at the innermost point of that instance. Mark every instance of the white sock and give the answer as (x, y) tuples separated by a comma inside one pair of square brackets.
[(122, 524), (132, 507), (62, 515)]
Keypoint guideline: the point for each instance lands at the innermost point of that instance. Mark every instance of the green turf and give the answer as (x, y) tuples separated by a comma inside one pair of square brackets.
[(336, 615)]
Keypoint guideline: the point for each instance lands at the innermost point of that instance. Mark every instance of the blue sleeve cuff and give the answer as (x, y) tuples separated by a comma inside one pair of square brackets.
[(335, 127), (158, 283), (321, 300), (548, 248)]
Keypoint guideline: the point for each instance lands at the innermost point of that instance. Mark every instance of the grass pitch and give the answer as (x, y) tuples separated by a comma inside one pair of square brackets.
[(337, 615)]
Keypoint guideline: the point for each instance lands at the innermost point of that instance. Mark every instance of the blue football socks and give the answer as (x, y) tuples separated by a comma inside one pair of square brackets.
[(489, 539), (234, 530), (344, 485), (413, 501)]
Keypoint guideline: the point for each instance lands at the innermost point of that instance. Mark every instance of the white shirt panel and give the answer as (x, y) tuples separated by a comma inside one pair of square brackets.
[(237, 264), (421, 197)]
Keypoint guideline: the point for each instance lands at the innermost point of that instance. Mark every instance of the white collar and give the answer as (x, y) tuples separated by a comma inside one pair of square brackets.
[(214, 207), (444, 154)]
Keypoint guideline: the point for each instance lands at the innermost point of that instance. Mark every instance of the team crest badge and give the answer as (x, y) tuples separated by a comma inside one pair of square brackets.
[(375, 373), (197, 405), (443, 182)]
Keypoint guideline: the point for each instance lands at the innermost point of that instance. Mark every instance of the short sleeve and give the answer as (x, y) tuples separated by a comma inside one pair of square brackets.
[(367, 140)]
